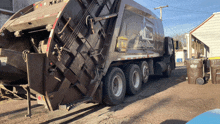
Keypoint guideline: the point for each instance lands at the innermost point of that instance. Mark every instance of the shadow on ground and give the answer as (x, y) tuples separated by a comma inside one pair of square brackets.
[(155, 85), (86, 111), (19, 110), (174, 122)]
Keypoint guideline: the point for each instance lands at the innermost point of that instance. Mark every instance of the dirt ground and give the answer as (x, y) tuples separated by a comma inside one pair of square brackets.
[(161, 101)]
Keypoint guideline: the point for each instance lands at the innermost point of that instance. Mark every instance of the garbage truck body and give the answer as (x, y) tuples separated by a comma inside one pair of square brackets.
[(66, 52)]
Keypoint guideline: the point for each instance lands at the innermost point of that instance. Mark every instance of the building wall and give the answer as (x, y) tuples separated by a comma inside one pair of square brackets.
[(209, 34), (180, 55), (18, 4)]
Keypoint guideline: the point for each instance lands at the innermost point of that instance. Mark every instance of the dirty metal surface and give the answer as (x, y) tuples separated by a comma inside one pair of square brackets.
[(194, 70), (36, 15), (80, 39), (215, 71), (76, 51), (35, 72)]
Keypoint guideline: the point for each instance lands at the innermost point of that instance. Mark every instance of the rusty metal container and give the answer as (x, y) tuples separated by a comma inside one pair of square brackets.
[(195, 71), (215, 71)]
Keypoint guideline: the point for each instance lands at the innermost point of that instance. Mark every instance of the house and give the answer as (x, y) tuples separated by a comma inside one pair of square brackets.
[(208, 34), (9, 7)]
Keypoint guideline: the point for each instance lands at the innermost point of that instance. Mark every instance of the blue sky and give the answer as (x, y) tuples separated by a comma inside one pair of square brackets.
[(182, 15)]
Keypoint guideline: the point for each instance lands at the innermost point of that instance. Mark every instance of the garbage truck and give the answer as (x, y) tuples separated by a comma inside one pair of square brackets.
[(66, 52)]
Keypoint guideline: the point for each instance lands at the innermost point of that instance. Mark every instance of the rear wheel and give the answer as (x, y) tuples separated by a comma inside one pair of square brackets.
[(133, 79), (144, 71), (114, 86)]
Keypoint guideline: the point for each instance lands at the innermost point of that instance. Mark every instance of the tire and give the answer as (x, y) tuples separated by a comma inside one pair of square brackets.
[(144, 71), (168, 72), (133, 79), (114, 86), (200, 81)]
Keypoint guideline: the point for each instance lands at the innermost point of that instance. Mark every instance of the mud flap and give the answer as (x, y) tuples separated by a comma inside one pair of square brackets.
[(35, 72), (170, 52)]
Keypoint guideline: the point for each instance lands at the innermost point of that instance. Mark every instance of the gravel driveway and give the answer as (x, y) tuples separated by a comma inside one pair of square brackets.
[(162, 100)]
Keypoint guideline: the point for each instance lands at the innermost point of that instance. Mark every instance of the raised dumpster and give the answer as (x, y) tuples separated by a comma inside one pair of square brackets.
[(215, 70), (195, 71)]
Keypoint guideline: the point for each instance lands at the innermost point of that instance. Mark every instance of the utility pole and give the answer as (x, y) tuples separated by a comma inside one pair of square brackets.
[(161, 7)]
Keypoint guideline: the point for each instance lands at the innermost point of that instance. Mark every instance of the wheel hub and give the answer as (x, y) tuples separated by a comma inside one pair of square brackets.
[(145, 72), (117, 86), (136, 79)]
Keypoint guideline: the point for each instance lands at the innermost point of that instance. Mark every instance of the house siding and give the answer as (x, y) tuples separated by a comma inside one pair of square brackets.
[(209, 34)]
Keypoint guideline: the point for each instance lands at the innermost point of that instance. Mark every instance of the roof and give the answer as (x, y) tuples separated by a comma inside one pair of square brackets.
[(216, 13), (193, 30)]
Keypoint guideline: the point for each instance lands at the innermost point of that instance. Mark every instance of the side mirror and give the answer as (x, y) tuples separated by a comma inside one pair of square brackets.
[(177, 45)]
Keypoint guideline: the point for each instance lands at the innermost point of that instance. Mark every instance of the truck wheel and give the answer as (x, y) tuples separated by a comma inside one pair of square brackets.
[(144, 71), (114, 87), (167, 73), (133, 79)]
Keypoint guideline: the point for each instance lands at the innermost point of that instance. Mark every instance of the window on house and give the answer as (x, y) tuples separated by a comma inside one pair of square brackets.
[(6, 5)]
